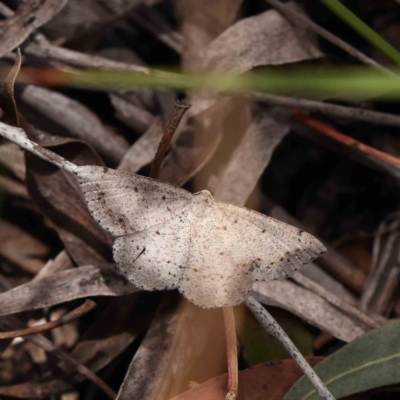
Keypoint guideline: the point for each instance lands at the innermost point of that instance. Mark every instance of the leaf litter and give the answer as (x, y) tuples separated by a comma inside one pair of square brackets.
[(123, 218), (235, 166)]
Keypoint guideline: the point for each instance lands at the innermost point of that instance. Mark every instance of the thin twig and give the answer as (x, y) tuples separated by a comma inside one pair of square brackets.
[(303, 20), (180, 109), (351, 113), (371, 152), (47, 345), (231, 346), (336, 301), (274, 329), (87, 306)]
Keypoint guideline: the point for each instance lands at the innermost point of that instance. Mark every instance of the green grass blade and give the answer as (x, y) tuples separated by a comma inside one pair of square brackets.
[(369, 362), (363, 29), (345, 84)]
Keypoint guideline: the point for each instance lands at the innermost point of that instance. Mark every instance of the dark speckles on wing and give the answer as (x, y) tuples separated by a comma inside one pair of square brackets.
[(282, 248), (143, 202), (212, 252)]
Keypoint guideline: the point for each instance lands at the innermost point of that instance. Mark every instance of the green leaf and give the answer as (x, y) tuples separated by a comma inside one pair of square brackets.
[(369, 362)]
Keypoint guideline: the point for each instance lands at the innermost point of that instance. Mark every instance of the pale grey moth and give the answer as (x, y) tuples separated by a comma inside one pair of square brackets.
[(168, 238)]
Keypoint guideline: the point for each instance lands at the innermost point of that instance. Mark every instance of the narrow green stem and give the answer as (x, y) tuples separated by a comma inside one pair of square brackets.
[(363, 29)]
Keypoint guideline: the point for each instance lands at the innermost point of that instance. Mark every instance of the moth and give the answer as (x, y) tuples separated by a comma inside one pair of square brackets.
[(168, 238)]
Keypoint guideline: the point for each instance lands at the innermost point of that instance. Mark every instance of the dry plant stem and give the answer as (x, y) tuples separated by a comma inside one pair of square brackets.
[(47, 345), (303, 20), (336, 301), (346, 140), (230, 328), (44, 49), (180, 109), (274, 329), (351, 113), (74, 314)]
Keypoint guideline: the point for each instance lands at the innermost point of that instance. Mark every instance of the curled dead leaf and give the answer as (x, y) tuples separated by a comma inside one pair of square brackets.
[(264, 381)]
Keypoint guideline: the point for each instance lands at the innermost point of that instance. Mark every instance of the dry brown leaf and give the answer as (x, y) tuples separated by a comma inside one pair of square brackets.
[(201, 25), (183, 344), (308, 306), (264, 381), (28, 17), (77, 120), (13, 188), (80, 17), (21, 248), (65, 286), (137, 118), (250, 160), (60, 263), (318, 275), (266, 39), (59, 198), (12, 157), (142, 152)]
